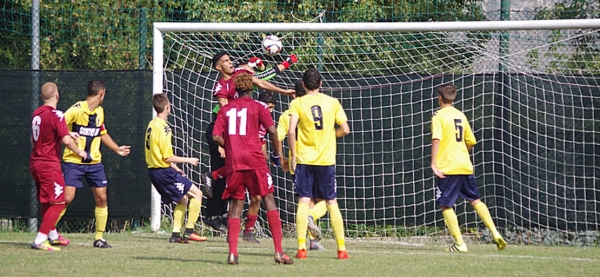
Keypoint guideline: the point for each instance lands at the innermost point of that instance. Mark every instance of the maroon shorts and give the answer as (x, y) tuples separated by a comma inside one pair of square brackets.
[(49, 181), (256, 181)]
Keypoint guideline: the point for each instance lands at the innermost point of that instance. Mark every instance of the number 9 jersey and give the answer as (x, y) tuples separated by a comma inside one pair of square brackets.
[(317, 117), (452, 128)]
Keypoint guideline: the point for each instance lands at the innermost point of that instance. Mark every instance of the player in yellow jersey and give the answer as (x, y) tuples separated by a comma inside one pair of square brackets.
[(87, 119), (313, 156), (168, 179), (452, 140), (317, 210)]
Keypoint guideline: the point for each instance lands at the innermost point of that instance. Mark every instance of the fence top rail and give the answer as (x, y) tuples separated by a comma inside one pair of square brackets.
[(381, 26)]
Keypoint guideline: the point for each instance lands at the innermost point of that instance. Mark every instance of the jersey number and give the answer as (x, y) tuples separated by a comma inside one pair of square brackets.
[(459, 130), (148, 132), (35, 127), (232, 116), (317, 116)]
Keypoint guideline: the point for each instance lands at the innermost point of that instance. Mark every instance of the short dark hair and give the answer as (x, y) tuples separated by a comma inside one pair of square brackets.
[(243, 84), (312, 79), (448, 93), (94, 87), (160, 102), (217, 57), (267, 98), (299, 88)]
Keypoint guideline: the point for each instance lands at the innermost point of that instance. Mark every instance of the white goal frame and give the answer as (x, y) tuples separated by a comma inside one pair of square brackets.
[(161, 27)]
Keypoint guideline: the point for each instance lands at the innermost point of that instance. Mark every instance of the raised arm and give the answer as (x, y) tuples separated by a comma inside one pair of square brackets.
[(270, 87)]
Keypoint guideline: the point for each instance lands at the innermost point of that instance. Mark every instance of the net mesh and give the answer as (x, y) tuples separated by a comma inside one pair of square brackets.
[(532, 99)]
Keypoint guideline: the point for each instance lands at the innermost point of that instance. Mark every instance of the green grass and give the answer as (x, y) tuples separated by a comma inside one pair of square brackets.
[(147, 254)]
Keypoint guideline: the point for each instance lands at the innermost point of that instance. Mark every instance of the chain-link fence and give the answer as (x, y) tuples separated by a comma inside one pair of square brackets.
[(109, 35)]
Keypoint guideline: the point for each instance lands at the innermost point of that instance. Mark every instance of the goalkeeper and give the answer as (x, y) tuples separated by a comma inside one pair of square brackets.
[(214, 182)]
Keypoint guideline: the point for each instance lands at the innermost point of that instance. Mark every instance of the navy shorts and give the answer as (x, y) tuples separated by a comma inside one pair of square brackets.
[(93, 173), (315, 181), (450, 187), (171, 185)]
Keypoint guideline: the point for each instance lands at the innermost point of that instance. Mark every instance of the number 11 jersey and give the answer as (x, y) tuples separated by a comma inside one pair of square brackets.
[(238, 123)]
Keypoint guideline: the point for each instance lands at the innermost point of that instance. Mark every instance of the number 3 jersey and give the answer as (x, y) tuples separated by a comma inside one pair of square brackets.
[(158, 145), (317, 117), (48, 128), (452, 128), (90, 126), (238, 123)]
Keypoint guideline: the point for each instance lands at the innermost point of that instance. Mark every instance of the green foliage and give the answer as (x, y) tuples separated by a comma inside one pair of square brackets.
[(581, 58), (105, 35)]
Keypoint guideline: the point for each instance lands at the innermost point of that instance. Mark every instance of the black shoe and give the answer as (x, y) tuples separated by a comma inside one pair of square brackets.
[(216, 225), (249, 237), (224, 219), (101, 243), (207, 180), (231, 259), (176, 238)]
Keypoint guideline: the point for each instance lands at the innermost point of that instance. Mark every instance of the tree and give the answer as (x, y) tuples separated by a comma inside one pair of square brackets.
[(578, 55)]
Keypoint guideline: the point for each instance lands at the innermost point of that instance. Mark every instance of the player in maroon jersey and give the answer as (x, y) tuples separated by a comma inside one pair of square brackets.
[(48, 130), (236, 130), (225, 88), (224, 92)]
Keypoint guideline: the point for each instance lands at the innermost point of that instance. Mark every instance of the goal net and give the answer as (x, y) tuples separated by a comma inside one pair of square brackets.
[(530, 89)]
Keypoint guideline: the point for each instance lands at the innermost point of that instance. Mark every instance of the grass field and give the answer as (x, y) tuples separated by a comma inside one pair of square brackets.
[(148, 254)]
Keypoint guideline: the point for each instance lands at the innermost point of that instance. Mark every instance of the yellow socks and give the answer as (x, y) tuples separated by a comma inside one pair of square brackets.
[(452, 223), (101, 219), (193, 212), (301, 225), (318, 210), (61, 215), (484, 214), (337, 224), (178, 217)]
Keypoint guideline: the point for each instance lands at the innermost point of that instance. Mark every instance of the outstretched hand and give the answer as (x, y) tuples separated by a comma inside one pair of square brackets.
[(193, 161), (124, 150)]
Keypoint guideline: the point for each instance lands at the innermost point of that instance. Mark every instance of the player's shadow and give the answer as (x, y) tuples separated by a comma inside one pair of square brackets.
[(173, 259), (20, 244)]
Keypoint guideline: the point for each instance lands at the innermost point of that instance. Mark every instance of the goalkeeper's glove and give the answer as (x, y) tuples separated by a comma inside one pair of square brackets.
[(275, 160), (292, 59), (255, 61)]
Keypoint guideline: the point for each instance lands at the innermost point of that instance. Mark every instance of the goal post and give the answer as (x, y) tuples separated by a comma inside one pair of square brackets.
[(532, 105)]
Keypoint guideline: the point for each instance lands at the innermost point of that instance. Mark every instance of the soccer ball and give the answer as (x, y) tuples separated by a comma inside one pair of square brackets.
[(271, 45)]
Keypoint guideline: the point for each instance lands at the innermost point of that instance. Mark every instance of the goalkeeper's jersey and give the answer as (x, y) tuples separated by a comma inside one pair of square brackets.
[(263, 75)]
